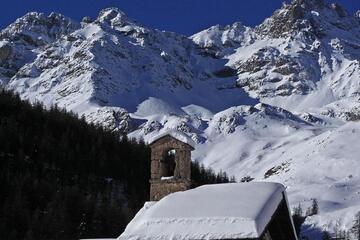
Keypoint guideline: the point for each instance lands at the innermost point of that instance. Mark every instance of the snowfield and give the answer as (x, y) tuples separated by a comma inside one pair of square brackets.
[(277, 102)]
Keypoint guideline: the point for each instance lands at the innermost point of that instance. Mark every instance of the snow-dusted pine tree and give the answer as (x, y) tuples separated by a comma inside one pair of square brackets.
[(356, 227)]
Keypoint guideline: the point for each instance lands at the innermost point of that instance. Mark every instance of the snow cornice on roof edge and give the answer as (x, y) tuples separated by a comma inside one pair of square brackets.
[(219, 211), (178, 135)]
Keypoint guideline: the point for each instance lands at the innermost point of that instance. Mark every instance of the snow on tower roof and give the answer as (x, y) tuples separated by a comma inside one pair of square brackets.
[(220, 211), (175, 134)]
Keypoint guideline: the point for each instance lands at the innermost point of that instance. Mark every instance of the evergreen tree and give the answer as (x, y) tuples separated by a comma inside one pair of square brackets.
[(356, 226), (326, 236), (62, 178), (313, 209), (298, 210), (298, 218)]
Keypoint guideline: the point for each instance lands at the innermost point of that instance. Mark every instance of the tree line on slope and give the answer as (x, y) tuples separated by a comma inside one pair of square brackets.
[(62, 178), (338, 233)]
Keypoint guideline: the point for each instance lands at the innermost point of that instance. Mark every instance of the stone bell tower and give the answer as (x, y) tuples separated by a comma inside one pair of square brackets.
[(170, 164)]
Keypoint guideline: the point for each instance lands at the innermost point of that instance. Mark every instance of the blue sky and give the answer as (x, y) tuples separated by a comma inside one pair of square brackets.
[(183, 16)]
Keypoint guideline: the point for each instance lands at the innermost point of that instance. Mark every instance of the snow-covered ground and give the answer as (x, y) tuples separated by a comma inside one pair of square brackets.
[(278, 102)]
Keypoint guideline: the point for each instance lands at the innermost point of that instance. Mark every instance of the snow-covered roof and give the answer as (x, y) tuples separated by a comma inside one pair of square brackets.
[(175, 134), (220, 211), (98, 239)]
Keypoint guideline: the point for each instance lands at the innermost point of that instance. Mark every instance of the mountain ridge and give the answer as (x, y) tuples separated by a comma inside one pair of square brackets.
[(251, 98)]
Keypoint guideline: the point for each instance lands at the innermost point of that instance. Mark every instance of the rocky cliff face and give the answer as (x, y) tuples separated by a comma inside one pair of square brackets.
[(278, 96), (292, 18), (301, 44), (37, 29), (115, 62), (21, 41), (218, 41)]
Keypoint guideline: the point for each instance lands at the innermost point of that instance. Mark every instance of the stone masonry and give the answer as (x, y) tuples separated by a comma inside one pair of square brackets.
[(180, 181)]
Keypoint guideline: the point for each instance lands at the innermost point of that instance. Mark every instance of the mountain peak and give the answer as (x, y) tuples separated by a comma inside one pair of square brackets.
[(280, 102), (314, 17), (309, 3), (31, 31), (38, 29), (217, 40), (113, 16)]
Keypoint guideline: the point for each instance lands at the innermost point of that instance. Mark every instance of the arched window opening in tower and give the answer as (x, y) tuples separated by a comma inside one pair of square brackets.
[(169, 163)]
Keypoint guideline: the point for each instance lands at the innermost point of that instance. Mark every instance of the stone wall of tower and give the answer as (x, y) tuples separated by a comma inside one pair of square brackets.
[(162, 188), (182, 173)]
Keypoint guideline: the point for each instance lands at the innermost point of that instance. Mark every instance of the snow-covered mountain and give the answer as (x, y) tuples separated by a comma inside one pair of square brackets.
[(278, 102), (113, 66), (218, 41), (21, 41)]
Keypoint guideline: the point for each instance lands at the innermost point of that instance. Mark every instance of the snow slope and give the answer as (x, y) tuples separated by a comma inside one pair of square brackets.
[(115, 62), (305, 59), (22, 40), (277, 102), (312, 161)]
